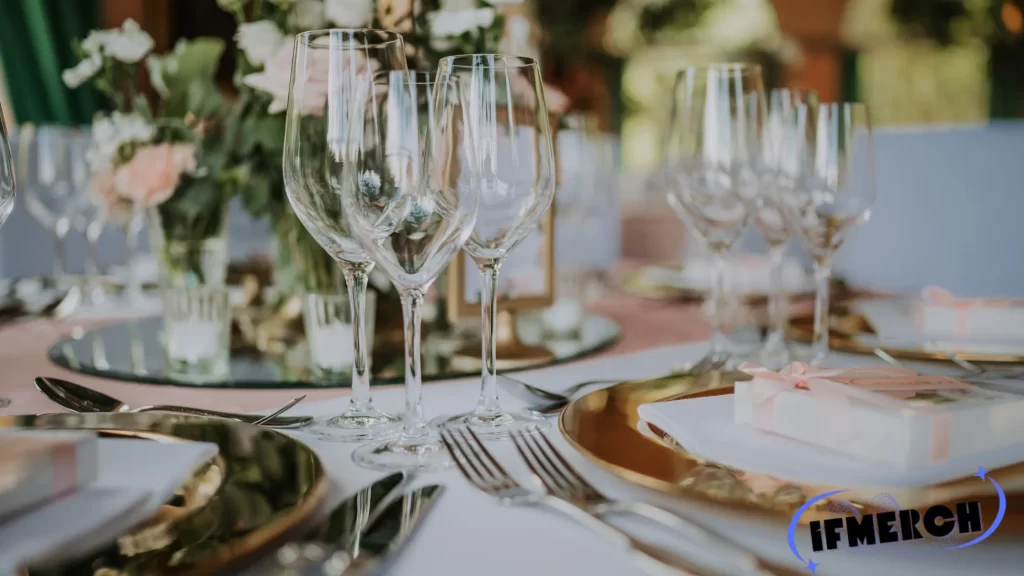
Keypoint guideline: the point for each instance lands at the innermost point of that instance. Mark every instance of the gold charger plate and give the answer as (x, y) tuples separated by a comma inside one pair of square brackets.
[(605, 427), (851, 332), (261, 486)]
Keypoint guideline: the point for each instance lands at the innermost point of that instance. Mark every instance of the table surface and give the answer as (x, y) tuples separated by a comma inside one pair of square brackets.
[(469, 533)]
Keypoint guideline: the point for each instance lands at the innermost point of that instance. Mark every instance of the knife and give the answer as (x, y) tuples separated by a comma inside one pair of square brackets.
[(376, 544), (342, 527)]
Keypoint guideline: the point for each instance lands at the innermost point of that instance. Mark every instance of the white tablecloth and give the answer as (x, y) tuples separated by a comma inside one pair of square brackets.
[(469, 534)]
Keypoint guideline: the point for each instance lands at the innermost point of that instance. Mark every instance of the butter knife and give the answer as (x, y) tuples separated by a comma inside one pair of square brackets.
[(342, 527), (375, 545)]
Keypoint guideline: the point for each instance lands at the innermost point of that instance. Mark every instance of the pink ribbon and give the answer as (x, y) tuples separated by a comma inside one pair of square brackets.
[(880, 385)]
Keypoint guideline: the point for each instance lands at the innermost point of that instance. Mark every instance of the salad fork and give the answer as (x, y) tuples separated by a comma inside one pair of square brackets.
[(479, 466), (565, 483)]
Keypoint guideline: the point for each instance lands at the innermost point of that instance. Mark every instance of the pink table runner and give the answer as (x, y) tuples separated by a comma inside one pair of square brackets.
[(24, 346)]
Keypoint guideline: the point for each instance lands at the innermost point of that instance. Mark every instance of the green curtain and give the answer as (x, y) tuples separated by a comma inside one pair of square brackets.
[(35, 47)]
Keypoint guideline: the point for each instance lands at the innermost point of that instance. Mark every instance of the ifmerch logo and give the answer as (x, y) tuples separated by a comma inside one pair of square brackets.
[(891, 526)]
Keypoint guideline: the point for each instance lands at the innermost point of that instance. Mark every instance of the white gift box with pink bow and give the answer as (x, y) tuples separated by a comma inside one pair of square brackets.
[(879, 413)]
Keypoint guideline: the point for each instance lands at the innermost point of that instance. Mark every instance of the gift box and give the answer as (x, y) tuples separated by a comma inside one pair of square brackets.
[(879, 413), (940, 315)]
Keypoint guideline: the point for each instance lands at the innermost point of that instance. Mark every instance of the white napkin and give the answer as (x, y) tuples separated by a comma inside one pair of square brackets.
[(894, 323), (135, 478), (705, 427), (749, 274)]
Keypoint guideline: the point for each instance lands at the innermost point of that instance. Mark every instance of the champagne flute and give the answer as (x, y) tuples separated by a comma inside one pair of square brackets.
[(827, 188), (771, 221), (407, 191), (7, 191), (515, 159), (329, 69), (714, 161)]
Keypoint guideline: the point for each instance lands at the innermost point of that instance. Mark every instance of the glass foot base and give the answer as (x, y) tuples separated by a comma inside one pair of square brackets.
[(355, 426), (425, 454), (774, 357), (497, 425)]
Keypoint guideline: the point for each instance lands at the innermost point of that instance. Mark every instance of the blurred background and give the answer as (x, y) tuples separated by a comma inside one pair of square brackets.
[(926, 64)]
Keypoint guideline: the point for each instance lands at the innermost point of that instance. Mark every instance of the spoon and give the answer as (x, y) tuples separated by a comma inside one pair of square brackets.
[(78, 398), (545, 401)]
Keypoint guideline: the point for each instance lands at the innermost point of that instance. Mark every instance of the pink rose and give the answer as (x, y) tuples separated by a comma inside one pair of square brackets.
[(153, 173), (311, 91)]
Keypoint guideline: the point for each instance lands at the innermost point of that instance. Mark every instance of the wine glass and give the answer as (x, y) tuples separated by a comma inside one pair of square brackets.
[(7, 191), (515, 159), (771, 221), (329, 69), (713, 158), (407, 190), (827, 187), (46, 165)]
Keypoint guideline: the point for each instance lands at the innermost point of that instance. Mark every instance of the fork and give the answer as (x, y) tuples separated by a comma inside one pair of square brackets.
[(563, 482), (976, 372)]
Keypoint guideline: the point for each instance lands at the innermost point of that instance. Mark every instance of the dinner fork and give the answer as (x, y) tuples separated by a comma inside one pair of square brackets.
[(564, 482), (976, 372)]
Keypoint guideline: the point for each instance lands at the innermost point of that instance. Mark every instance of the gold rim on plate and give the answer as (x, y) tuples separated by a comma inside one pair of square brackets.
[(259, 488), (851, 332), (604, 426)]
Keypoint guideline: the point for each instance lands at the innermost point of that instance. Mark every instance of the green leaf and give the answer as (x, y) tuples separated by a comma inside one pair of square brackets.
[(256, 194), (186, 76)]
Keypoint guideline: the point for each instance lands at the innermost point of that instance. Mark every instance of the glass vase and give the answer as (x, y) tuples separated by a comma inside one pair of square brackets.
[(191, 251)]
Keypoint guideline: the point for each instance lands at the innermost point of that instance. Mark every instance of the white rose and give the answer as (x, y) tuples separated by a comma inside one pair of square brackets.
[(96, 41), (349, 13), (455, 22), (109, 133), (82, 72), (130, 44), (259, 40), (307, 15), (504, 2)]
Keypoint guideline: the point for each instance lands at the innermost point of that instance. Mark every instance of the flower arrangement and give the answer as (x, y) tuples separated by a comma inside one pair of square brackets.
[(264, 43), (159, 150)]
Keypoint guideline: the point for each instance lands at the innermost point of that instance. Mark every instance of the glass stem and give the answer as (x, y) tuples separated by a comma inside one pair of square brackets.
[(133, 287), (822, 276), (92, 267), (778, 302), (719, 343), (357, 276), (487, 405), (412, 424), (58, 260)]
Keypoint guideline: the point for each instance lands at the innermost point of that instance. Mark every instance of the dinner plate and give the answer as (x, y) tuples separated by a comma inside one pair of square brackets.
[(605, 427), (850, 331), (261, 486)]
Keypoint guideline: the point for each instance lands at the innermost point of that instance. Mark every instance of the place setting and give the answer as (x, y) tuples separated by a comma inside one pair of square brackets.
[(330, 293)]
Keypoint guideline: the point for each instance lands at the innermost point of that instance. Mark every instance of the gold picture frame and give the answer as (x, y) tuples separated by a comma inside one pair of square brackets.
[(459, 306)]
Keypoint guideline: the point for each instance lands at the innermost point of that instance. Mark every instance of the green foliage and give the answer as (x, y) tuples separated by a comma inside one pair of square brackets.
[(185, 78)]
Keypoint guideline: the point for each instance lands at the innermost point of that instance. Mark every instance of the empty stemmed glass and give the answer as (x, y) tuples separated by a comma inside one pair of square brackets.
[(46, 164), (407, 189), (713, 157), (516, 175), (330, 69), (826, 188), (7, 190), (771, 220)]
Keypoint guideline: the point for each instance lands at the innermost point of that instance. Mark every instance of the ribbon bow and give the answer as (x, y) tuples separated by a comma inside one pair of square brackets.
[(889, 381)]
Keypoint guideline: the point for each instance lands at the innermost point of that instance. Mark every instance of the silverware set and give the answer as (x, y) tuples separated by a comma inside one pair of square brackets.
[(972, 371), (566, 492), (361, 533)]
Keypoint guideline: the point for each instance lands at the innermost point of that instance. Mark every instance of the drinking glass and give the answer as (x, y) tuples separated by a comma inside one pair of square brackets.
[(771, 221), (713, 164), (197, 332), (45, 162), (89, 217), (330, 69), (515, 160), (827, 187), (7, 190), (407, 187)]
